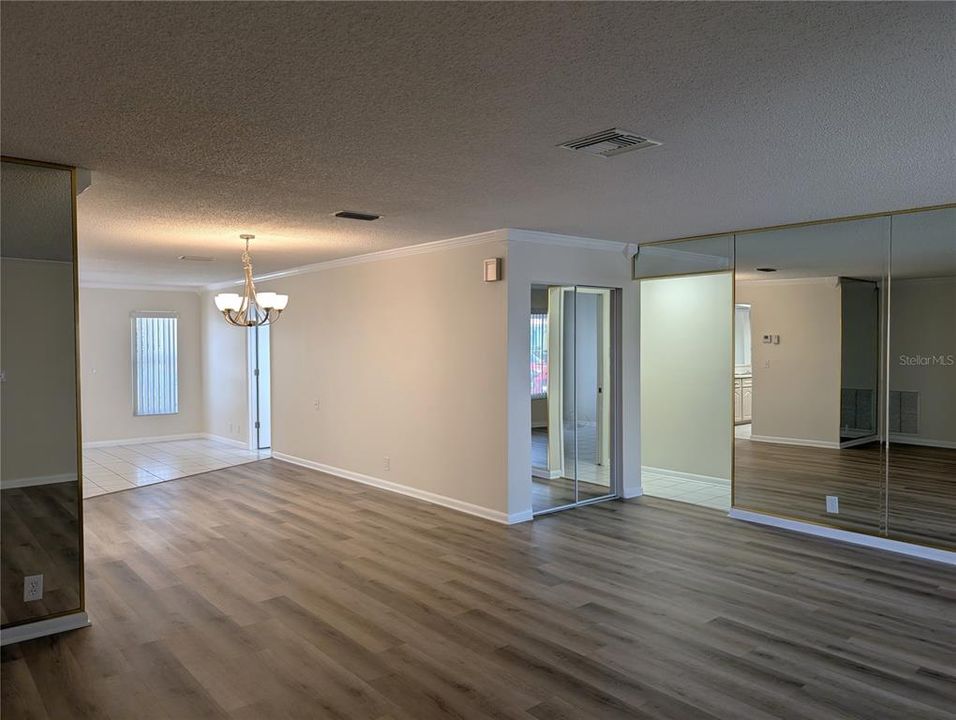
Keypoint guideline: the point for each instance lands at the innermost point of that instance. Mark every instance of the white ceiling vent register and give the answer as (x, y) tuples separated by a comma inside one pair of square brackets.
[(608, 143)]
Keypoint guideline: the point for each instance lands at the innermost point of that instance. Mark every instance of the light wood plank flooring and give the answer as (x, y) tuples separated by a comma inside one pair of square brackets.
[(271, 591)]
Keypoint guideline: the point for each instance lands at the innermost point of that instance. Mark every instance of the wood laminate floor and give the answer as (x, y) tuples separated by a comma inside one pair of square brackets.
[(912, 497), (272, 591)]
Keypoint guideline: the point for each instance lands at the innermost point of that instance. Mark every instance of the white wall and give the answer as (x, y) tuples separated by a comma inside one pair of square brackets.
[(796, 384), (543, 259), (225, 368), (687, 370), (106, 364), (407, 357)]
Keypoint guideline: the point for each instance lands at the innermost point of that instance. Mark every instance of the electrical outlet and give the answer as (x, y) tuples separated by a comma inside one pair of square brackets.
[(388, 463), (32, 588), (833, 504), (315, 404)]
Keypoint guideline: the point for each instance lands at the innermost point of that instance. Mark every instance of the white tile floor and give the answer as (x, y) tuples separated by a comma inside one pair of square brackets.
[(709, 493), (121, 467)]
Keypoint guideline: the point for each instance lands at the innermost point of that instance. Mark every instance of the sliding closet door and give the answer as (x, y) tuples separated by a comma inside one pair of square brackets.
[(593, 392), (553, 439)]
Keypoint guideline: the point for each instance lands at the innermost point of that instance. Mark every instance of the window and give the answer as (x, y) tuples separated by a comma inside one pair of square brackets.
[(155, 364), (539, 355)]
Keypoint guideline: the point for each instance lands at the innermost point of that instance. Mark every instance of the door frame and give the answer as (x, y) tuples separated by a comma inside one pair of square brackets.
[(252, 360), (614, 407)]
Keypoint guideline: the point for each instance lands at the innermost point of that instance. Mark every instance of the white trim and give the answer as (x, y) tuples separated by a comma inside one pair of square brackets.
[(629, 492), (896, 546), (419, 249), (546, 238), (712, 479), (544, 473), (38, 480), (226, 440), (435, 498), (106, 285), (833, 280), (903, 439), (42, 628), (520, 517), (142, 440), (795, 441), (858, 441)]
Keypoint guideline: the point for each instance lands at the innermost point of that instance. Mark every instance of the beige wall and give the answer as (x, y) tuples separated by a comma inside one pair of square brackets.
[(407, 357), (225, 374), (796, 384), (922, 325), (106, 364), (686, 370), (39, 390)]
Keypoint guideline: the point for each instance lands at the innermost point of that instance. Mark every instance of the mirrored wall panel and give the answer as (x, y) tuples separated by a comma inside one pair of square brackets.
[(572, 391), (921, 399), (812, 448), (39, 464), (687, 372)]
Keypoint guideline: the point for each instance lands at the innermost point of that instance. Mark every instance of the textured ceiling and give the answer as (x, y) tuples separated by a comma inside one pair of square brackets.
[(204, 120)]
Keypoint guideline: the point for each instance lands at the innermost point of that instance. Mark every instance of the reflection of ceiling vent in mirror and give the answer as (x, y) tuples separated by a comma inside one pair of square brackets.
[(610, 142)]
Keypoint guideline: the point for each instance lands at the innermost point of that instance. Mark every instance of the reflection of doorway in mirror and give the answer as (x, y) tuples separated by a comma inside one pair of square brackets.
[(743, 372)]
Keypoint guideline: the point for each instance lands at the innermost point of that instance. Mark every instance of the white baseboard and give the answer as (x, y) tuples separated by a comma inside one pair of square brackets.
[(141, 440), (858, 441), (632, 493), (42, 628), (711, 479), (545, 474), (795, 441), (226, 440), (925, 442), (904, 548), (520, 517), (39, 480), (443, 500)]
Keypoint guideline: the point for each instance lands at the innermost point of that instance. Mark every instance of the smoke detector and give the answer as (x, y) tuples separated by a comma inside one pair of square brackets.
[(608, 143)]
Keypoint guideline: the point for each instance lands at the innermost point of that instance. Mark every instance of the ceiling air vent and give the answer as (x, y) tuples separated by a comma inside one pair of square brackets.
[(610, 142), (352, 215), (196, 258)]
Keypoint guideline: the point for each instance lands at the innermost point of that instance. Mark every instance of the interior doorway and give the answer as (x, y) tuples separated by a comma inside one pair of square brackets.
[(260, 389), (573, 395)]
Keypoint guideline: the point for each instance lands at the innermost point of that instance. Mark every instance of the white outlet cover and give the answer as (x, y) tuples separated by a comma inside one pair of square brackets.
[(32, 588), (833, 504)]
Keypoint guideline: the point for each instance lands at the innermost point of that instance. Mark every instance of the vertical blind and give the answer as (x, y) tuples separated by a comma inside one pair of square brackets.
[(155, 364), (539, 355)]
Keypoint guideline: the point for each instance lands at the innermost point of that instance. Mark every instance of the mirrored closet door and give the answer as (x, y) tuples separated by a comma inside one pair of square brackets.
[(573, 393)]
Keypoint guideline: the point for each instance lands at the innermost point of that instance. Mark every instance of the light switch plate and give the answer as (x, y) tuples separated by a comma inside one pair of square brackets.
[(833, 504)]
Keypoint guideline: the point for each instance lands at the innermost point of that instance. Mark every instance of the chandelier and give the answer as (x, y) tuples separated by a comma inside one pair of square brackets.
[(251, 308)]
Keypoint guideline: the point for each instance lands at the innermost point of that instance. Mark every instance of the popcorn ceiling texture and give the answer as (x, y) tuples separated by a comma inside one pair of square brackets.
[(204, 120)]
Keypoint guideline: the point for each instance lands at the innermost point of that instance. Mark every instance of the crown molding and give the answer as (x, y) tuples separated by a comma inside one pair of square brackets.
[(106, 285), (546, 238), (378, 256)]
